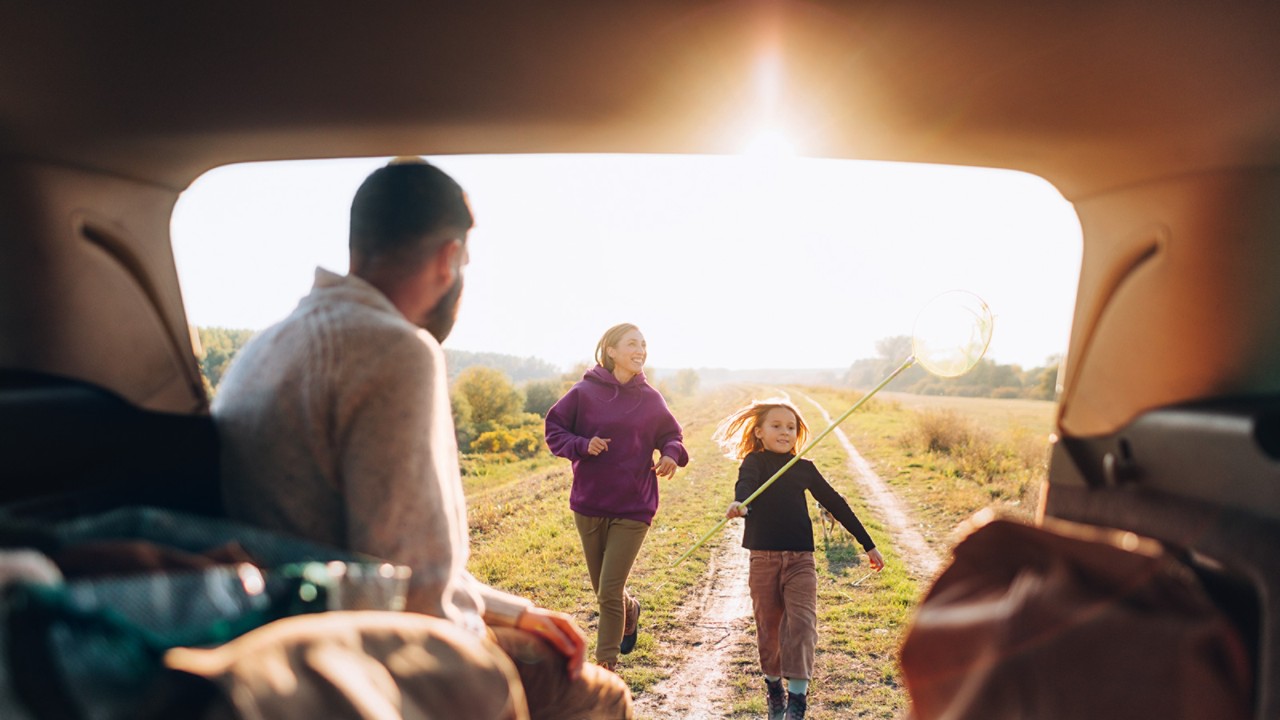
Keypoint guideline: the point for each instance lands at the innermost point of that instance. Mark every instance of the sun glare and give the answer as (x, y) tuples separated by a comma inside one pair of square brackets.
[(770, 142), (767, 138)]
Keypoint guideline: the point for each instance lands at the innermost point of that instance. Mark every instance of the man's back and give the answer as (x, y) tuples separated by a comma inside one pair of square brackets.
[(335, 426)]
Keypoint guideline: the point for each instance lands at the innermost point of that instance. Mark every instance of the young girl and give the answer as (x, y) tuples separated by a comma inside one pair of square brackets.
[(610, 424), (779, 534)]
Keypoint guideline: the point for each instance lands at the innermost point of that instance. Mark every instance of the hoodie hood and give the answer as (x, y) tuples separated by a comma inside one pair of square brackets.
[(620, 482), (605, 386)]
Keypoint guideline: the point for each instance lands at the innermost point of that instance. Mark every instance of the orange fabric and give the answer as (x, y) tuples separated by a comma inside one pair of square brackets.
[(1071, 622)]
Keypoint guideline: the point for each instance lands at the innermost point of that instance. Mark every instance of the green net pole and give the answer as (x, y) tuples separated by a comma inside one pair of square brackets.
[(905, 364)]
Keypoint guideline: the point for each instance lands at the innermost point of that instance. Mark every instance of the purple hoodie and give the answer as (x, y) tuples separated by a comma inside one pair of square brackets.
[(619, 482)]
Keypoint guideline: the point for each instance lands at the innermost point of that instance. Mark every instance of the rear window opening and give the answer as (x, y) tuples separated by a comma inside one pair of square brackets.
[(731, 262)]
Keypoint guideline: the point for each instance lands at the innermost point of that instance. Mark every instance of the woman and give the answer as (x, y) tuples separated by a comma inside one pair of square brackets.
[(609, 424)]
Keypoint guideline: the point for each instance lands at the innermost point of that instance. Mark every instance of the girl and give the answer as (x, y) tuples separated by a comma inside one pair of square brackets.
[(779, 534), (609, 424)]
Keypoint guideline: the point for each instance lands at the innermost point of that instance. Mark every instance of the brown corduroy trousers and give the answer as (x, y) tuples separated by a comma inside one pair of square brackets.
[(784, 594)]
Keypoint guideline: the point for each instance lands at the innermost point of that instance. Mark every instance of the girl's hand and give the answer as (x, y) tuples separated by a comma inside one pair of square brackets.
[(598, 445), (875, 559), (666, 467), (737, 509)]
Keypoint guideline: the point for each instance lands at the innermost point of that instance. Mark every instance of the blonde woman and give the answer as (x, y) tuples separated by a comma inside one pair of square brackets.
[(610, 425)]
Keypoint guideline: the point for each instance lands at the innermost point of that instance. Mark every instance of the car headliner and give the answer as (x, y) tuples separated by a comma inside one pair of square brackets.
[(1088, 95)]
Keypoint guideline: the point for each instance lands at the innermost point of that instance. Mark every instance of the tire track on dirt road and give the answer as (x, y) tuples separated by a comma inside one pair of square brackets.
[(720, 618)]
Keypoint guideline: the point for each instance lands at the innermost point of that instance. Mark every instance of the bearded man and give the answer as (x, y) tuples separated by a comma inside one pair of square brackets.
[(336, 427)]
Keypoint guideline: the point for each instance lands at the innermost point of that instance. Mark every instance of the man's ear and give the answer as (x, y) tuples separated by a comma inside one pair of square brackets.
[(447, 262)]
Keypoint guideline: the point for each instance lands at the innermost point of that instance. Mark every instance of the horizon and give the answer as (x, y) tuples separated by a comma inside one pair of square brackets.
[(448, 346)]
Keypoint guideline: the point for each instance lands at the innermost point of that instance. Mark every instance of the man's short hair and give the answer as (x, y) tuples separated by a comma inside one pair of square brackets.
[(402, 202)]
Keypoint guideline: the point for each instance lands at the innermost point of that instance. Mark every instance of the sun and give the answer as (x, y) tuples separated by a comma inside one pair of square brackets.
[(770, 142), (767, 136)]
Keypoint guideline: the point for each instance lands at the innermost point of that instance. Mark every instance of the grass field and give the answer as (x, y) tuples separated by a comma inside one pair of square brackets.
[(1034, 415), (986, 453)]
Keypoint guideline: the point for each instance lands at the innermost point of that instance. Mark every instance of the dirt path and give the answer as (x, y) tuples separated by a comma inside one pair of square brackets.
[(719, 617)]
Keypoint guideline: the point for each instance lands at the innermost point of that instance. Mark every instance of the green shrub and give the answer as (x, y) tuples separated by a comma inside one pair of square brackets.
[(492, 397), (527, 444), (493, 441), (540, 395)]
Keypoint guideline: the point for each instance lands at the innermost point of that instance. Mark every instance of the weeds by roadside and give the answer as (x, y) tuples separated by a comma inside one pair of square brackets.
[(977, 466)]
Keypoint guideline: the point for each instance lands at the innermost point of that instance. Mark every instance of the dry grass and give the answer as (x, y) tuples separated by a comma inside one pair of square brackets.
[(979, 466)]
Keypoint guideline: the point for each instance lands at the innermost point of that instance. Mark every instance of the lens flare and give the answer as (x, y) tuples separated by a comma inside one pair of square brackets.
[(952, 333)]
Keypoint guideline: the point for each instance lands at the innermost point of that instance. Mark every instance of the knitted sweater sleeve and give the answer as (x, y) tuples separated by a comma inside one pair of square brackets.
[(403, 491)]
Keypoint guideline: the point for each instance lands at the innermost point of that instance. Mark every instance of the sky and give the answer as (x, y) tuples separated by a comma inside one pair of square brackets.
[(736, 262)]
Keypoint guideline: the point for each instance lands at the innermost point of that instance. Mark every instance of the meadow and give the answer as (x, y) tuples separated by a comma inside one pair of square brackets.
[(945, 459)]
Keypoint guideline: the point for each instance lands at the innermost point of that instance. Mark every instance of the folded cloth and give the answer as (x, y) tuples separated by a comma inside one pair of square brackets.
[(358, 665), (1070, 621)]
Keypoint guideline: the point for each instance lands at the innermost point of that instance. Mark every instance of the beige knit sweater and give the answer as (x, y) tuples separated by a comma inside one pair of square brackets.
[(336, 427)]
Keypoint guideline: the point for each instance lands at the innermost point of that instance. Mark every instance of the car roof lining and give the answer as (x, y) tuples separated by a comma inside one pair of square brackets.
[(1088, 96)]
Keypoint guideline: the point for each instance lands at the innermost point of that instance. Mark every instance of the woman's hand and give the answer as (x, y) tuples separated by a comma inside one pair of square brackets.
[(561, 631), (736, 509), (875, 559), (598, 445), (666, 467)]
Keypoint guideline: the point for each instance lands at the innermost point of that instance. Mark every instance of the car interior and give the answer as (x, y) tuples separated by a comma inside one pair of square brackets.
[(1159, 122)]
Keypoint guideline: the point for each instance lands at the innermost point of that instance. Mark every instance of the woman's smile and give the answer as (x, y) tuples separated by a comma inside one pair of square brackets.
[(629, 355)]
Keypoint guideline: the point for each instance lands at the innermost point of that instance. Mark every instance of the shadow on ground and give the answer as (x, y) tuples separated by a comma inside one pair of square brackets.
[(843, 555)]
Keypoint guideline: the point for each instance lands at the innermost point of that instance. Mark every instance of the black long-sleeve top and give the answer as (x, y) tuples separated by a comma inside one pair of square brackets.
[(779, 518)]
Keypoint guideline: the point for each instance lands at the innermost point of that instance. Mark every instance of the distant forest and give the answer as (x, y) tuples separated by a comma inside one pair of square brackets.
[(221, 344), (987, 379)]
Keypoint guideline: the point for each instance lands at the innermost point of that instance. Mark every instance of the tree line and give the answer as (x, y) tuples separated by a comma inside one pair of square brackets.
[(986, 379), (499, 401), (219, 345)]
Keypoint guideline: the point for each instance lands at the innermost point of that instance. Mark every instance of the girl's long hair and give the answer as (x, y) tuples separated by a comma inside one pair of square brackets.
[(736, 434)]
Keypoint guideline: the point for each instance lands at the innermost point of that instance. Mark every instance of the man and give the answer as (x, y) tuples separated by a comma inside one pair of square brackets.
[(336, 427)]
